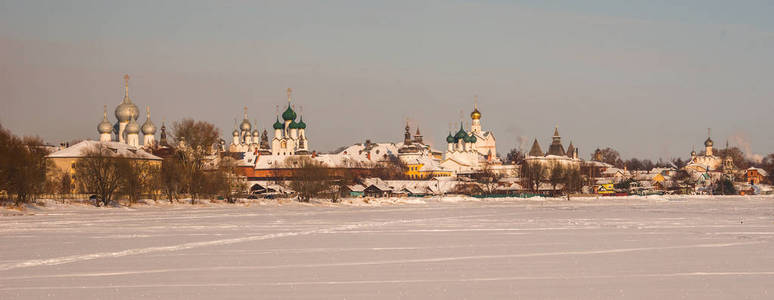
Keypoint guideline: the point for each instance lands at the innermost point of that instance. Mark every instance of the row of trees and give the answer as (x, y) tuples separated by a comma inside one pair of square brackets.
[(534, 173), (192, 170)]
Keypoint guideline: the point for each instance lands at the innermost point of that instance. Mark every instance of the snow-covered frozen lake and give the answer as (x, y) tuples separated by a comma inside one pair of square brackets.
[(696, 248)]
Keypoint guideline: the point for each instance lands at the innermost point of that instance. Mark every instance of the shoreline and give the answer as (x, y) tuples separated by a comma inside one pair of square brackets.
[(42, 206)]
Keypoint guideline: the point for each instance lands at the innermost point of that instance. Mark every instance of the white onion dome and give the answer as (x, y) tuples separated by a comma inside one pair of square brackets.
[(126, 110), (245, 126), (148, 128), (132, 127), (104, 126)]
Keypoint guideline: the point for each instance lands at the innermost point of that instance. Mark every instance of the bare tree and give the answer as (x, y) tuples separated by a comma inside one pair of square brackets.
[(532, 173), (170, 179), (610, 156), (488, 179), (199, 138), (229, 185), (768, 166), (515, 156), (557, 175), (195, 133), (572, 181), (311, 178), (136, 177), (22, 166), (99, 171)]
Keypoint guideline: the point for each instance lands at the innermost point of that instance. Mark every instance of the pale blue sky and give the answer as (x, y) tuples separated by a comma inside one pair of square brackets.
[(645, 77)]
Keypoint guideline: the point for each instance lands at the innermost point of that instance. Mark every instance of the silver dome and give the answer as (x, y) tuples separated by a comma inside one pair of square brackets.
[(126, 109), (148, 128), (235, 133), (132, 127), (104, 126), (245, 126), (255, 132)]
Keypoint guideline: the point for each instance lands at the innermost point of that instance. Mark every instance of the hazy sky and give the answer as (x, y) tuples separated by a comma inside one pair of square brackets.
[(646, 78)]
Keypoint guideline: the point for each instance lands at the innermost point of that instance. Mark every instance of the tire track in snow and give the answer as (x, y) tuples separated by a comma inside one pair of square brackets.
[(390, 281), (191, 245), (368, 263)]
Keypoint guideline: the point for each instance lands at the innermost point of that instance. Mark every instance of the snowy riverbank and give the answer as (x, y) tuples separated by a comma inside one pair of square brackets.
[(44, 205)]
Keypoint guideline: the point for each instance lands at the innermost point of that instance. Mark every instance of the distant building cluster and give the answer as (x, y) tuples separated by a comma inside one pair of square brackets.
[(470, 155)]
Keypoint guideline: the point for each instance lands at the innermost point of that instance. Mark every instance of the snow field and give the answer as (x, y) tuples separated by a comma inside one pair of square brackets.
[(438, 248)]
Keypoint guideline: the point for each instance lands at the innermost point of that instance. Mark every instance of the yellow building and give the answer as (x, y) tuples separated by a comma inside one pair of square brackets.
[(63, 161), (417, 171)]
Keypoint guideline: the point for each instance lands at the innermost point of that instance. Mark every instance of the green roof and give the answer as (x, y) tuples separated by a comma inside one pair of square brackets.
[(301, 124), (289, 114), (277, 124)]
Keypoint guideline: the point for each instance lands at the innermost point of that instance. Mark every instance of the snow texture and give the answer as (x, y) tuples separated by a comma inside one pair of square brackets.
[(421, 248)]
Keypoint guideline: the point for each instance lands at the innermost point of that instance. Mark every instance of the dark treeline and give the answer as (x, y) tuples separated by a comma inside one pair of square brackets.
[(22, 166)]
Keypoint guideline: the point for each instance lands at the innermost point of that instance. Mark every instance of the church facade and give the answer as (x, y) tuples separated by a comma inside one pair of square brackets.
[(289, 135), (470, 151)]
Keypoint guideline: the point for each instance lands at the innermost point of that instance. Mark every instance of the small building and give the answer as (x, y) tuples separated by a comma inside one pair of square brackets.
[(355, 190), (378, 190), (755, 175)]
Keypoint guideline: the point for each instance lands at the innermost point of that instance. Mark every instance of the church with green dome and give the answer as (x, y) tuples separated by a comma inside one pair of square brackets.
[(289, 135)]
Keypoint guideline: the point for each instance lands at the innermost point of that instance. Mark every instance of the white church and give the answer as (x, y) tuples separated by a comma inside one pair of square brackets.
[(126, 130), (470, 151)]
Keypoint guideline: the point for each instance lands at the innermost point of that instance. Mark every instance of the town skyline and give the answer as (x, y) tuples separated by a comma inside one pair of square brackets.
[(630, 81)]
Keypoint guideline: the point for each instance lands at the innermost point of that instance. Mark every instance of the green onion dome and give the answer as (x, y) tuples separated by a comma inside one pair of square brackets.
[(461, 134), (277, 124), (293, 125), (450, 138), (472, 139), (289, 114), (301, 124)]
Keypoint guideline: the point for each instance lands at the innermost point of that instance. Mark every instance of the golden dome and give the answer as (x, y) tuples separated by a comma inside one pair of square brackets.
[(475, 115)]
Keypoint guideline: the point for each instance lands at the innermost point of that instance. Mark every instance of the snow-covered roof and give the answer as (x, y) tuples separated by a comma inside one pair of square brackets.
[(760, 171), (118, 149), (356, 188)]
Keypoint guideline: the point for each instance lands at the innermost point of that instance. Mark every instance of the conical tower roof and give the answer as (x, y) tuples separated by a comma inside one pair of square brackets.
[(556, 147), (536, 151), (570, 150)]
